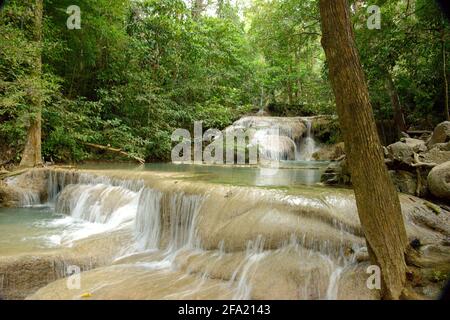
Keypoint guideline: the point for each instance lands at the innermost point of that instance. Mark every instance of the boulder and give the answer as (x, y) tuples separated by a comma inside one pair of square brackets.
[(436, 155), (442, 146), (337, 173), (441, 134), (416, 144), (401, 152), (330, 152), (404, 181), (277, 147), (439, 181), (9, 197)]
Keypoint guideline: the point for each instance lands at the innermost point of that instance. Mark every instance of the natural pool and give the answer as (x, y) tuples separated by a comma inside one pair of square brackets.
[(27, 229), (166, 231), (286, 174)]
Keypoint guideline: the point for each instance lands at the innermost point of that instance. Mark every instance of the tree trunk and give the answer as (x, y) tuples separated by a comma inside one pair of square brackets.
[(289, 87), (376, 198), (220, 6), (399, 118), (32, 156), (198, 7)]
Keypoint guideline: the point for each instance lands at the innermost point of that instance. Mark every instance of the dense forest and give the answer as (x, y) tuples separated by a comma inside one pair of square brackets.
[(135, 70), (345, 102)]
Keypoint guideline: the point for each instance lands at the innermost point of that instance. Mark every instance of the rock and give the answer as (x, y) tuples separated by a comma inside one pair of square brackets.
[(27, 188), (416, 144), (439, 181), (401, 152), (415, 243), (435, 155), (337, 173), (404, 181), (404, 135), (442, 146), (9, 197), (441, 134), (277, 147), (330, 152)]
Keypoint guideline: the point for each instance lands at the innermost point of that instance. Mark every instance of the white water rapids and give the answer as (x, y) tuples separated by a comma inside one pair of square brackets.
[(166, 225)]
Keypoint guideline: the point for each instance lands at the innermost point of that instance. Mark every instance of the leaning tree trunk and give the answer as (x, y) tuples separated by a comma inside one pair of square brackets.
[(32, 153), (399, 118), (376, 198)]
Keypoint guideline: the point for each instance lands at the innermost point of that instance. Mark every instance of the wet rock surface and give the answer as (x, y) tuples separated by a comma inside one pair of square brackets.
[(304, 243)]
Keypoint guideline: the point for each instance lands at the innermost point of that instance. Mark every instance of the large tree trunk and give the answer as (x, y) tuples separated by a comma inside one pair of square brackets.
[(32, 156), (376, 198), (399, 118)]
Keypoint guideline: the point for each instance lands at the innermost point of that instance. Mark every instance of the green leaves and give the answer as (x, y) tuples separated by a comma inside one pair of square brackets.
[(408, 46), (287, 36)]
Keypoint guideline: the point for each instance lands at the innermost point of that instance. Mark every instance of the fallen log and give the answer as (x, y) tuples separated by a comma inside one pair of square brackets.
[(8, 174), (418, 132), (115, 150), (418, 163)]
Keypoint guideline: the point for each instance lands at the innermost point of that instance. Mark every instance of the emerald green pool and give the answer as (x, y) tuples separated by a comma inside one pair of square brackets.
[(288, 173)]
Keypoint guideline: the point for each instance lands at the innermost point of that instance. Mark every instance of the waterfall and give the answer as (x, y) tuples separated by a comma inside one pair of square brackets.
[(110, 204), (183, 213), (93, 205), (27, 197), (254, 254), (148, 219), (278, 138), (189, 232), (307, 146)]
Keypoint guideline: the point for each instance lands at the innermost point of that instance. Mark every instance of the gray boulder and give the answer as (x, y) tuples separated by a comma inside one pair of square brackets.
[(441, 134), (401, 152), (416, 144), (436, 156), (404, 181), (337, 173), (439, 181)]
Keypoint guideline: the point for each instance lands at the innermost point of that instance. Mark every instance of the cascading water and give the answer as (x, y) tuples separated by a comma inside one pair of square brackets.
[(27, 197), (279, 138), (148, 219), (162, 237), (307, 146), (166, 224)]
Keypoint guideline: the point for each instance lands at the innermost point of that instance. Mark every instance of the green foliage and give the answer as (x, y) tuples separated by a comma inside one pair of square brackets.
[(137, 70), (327, 131), (290, 69), (408, 47)]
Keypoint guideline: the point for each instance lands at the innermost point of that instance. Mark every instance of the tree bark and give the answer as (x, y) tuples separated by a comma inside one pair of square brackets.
[(376, 198), (399, 118), (32, 155), (115, 150)]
